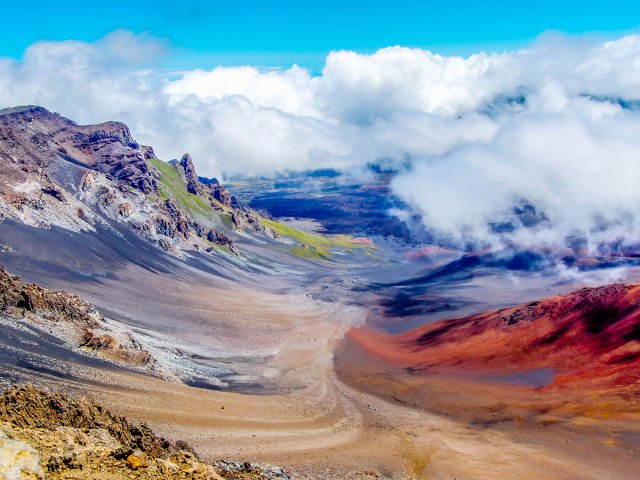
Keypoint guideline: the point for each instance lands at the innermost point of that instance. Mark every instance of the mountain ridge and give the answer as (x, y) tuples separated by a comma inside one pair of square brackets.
[(55, 172)]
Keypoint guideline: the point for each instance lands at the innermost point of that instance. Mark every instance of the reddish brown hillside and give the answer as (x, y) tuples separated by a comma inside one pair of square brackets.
[(589, 336)]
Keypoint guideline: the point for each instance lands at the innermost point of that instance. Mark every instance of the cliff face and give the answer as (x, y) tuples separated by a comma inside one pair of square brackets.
[(54, 172), (588, 337), (33, 137), (50, 434)]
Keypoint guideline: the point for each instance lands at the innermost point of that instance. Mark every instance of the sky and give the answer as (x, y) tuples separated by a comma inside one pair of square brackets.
[(205, 34), (482, 109)]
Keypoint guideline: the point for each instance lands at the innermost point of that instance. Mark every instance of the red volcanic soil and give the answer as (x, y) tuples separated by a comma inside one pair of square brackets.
[(589, 337), (431, 251), (363, 241)]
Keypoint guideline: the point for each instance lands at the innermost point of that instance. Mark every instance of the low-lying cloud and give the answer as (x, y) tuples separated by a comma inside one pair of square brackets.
[(528, 147)]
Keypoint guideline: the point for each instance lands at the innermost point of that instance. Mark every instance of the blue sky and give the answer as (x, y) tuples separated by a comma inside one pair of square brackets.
[(232, 32), (561, 149)]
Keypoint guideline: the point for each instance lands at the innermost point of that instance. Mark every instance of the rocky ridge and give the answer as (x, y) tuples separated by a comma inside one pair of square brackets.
[(51, 435), (69, 318), (54, 172)]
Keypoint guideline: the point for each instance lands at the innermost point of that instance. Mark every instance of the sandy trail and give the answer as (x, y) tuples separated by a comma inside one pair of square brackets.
[(318, 427)]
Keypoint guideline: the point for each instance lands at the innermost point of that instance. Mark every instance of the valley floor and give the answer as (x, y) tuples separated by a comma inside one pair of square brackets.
[(303, 416)]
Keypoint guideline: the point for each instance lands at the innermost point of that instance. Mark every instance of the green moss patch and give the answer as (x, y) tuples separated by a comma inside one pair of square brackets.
[(313, 245), (171, 185)]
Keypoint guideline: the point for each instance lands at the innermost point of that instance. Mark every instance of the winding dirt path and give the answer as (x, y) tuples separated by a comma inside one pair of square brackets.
[(318, 427)]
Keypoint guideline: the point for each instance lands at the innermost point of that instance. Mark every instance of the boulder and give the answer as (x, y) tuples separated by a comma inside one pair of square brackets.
[(18, 460)]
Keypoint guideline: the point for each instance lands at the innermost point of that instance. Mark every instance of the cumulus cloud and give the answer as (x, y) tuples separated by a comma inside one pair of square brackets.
[(530, 147), (576, 167), (290, 91)]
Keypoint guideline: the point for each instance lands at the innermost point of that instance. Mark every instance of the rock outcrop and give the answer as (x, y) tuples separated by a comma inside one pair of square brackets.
[(18, 296), (42, 432), (178, 218), (219, 238), (222, 195), (246, 218), (69, 317)]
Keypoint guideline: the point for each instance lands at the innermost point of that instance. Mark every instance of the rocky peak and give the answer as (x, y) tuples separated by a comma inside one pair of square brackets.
[(190, 173), (37, 138), (29, 113)]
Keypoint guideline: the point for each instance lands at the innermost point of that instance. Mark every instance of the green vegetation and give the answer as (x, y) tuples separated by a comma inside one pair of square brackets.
[(172, 186), (313, 245), (226, 219), (305, 251)]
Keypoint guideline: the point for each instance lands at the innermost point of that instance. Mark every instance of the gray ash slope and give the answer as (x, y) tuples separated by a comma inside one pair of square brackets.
[(89, 210), (54, 172)]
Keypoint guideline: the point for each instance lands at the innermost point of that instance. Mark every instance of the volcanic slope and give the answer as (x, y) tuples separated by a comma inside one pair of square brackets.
[(88, 210), (590, 336), (98, 179)]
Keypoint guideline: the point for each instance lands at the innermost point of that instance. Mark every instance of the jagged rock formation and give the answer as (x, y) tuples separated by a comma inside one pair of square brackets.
[(209, 189), (69, 317), (219, 238), (191, 177), (77, 438), (54, 172)]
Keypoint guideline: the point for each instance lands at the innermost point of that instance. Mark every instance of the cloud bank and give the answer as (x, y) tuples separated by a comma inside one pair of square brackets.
[(531, 147)]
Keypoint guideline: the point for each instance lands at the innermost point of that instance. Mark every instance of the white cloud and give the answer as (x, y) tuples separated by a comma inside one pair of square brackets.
[(476, 148), (360, 88), (291, 91), (577, 165)]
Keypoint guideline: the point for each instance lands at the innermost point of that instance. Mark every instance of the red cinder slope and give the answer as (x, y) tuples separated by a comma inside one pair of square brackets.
[(589, 336)]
